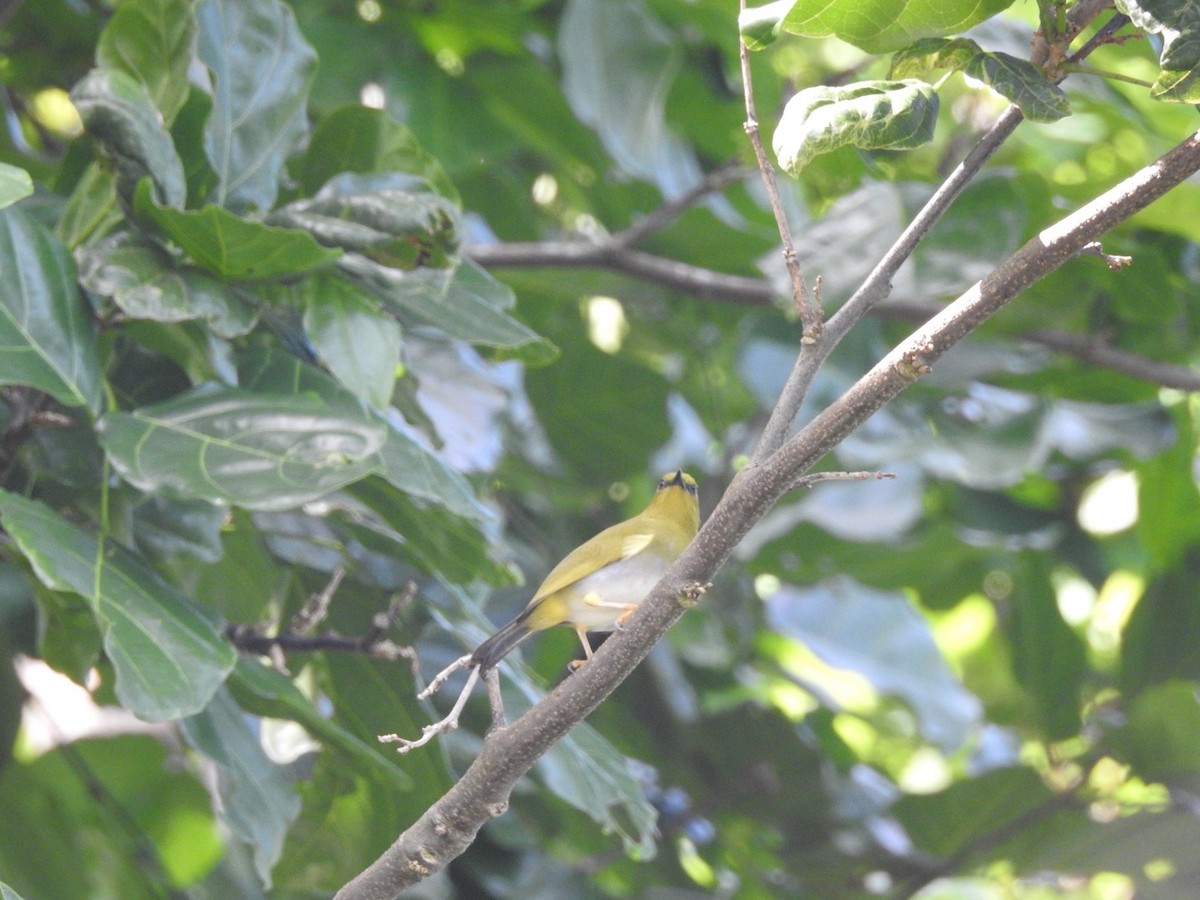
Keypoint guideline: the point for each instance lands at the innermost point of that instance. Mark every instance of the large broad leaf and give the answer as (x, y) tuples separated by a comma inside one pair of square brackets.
[(146, 283), (151, 40), (119, 113), (465, 303), (169, 658), (354, 337), (879, 26), (232, 247), (258, 800), (880, 635), (870, 115), (14, 184), (46, 337), (260, 451), (364, 140), (262, 68), (402, 460)]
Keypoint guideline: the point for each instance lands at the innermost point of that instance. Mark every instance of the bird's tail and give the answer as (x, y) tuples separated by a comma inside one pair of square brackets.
[(494, 648)]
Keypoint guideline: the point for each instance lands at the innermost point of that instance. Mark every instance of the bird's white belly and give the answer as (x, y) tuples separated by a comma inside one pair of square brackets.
[(625, 582)]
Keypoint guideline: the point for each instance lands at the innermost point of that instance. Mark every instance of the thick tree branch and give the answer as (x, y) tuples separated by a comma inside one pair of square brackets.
[(448, 827)]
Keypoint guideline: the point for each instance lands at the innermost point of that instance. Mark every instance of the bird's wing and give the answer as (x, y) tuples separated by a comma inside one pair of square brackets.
[(602, 550)]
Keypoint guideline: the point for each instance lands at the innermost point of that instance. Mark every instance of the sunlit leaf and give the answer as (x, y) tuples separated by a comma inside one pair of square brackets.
[(879, 26), (870, 115), (1022, 83)]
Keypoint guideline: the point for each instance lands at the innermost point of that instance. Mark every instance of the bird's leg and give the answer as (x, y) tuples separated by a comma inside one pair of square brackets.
[(587, 647), (594, 600)]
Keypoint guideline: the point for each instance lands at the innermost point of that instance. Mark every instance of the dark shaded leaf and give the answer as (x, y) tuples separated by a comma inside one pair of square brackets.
[(1021, 83)]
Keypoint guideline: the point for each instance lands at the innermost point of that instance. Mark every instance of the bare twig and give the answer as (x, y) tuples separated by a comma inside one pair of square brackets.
[(810, 313), (445, 725), (316, 607), (374, 642), (699, 282)]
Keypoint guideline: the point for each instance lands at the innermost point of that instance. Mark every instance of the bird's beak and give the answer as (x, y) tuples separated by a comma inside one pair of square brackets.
[(677, 481)]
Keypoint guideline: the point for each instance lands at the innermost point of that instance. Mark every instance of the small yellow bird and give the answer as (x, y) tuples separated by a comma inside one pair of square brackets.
[(604, 579)]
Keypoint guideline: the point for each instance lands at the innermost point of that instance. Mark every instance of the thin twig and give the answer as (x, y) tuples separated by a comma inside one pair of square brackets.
[(316, 607), (697, 281), (491, 680), (658, 219), (810, 312), (812, 479)]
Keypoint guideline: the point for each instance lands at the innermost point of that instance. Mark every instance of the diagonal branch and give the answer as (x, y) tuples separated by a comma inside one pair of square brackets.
[(449, 826)]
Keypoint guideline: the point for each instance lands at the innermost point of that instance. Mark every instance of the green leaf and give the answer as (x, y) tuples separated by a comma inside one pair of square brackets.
[(1021, 83), (933, 53), (151, 41), (258, 800), (360, 139), (880, 635), (231, 247), (146, 283), (431, 538), (759, 26), (169, 658), (402, 461), (166, 529), (7, 893), (880, 26), (47, 339), (1160, 737), (227, 445), (117, 111), (262, 68), (357, 341), (465, 303), (417, 471), (1179, 26), (401, 229), (14, 184), (870, 115)]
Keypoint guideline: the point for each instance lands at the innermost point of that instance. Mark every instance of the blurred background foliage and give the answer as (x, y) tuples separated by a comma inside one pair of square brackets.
[(246, 346)]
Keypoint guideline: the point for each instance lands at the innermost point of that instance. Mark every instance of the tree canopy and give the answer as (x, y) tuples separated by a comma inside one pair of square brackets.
[(328, 328)]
